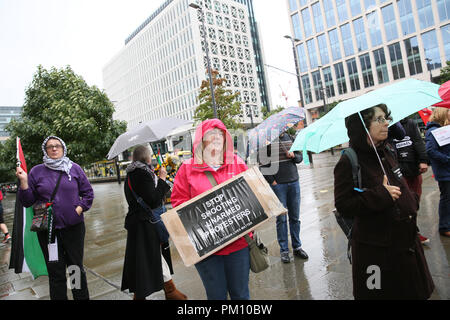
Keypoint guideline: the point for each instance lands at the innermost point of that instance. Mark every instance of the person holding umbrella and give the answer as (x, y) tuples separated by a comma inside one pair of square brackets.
[(440, 163), (388, 261)]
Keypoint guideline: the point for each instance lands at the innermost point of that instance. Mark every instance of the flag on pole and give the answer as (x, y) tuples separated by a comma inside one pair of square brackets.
[(159, 158), (26, 253)]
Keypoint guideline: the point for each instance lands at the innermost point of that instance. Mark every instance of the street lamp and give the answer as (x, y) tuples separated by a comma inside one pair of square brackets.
[(211, 86), (428, 60), (297, 72), (324, 94)]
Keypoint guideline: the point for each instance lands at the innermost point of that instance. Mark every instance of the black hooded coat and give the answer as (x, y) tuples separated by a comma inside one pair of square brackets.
[(388, 261)]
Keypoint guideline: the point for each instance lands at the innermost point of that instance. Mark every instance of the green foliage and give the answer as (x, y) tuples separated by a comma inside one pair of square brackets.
[(445, 74), (228, 108), (330, 107), (266, 113), (59, 102)]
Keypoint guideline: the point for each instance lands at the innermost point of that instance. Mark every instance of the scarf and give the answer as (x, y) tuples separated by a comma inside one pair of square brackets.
[(140, 165), (61, 164)]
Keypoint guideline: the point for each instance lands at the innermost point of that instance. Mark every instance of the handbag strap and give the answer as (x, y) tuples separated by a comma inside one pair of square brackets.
[(142, 203), (56, 187), (211, 178)]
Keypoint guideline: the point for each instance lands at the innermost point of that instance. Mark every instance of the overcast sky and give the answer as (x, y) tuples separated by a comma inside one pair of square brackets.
[(86, 34)]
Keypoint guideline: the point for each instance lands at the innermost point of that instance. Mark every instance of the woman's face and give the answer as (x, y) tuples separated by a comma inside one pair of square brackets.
[(379, 126), (213, 140), (54, 148)]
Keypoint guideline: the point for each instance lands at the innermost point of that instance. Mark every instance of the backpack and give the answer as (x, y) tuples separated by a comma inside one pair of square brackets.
[(346, 223)]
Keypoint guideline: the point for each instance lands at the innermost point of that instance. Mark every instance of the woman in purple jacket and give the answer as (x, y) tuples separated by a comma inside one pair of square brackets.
[(74, 196)]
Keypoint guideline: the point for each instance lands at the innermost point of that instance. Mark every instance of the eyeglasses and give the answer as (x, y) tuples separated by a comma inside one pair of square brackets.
[(382, 120), (53, 146)]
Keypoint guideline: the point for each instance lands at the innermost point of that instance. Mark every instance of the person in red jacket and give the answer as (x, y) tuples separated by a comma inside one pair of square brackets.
[(226, 271), (3, 226)]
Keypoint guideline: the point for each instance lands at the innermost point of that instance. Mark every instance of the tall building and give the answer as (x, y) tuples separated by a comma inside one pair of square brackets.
[(6, 115), (159, 71), (349, 47)]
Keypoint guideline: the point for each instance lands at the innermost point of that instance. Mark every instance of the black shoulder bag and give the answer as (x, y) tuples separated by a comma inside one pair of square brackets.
[(160, 227)]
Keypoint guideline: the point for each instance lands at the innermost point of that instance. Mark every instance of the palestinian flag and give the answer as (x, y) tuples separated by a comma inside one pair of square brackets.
[(159, 158), (26, 253)]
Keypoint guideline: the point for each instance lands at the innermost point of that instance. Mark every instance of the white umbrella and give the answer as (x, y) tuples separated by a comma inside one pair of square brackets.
[(149, 131)]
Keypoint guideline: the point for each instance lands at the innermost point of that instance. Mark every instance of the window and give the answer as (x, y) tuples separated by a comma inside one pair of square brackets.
[(425, 13), (340, 77), (380, 63), (303, 65), (445, 32), (368, 4), (406, 16), (296, 25), (313, 63), (413, 54), (293, 5), (373, 22), (395, 54), (341, 6), (307, 25), (366, 69), (323, 49), (390, 24), (355, 7), (328, 79), (303, 3), (347, 39), (360, 34), (443, 9), (430, 44), (353, 74), (317, 82), (307, 89), (329, 13), (318, 20), (335, 44)]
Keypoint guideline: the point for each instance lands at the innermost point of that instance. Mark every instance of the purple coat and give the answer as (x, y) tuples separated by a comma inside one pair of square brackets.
[(70, 194)]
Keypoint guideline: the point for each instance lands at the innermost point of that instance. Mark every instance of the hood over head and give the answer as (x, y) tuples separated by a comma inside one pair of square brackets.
[(201, 130)]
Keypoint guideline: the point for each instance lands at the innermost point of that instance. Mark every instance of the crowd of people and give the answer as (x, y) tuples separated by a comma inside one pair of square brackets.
[(384, 233)]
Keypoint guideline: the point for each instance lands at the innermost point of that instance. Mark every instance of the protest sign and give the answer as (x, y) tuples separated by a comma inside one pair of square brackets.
[(442, 135), (216, 218)]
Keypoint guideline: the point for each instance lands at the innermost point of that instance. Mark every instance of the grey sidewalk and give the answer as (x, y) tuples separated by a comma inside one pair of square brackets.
[(325, 275)]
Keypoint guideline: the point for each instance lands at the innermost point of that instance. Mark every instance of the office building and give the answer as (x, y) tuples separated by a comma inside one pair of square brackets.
[(349, 47), (159, 71), (6, 115)]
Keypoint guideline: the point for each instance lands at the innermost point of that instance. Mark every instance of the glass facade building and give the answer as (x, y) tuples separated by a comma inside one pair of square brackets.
[(360, 45), (6, 115), (159, 71)]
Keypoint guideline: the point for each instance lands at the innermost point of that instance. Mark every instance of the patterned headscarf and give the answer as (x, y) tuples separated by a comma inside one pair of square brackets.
[(61, 164)]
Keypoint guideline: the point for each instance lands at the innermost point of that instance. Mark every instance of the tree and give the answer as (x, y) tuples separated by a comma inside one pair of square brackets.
[(445, 74), (59, 102), (228, 108)]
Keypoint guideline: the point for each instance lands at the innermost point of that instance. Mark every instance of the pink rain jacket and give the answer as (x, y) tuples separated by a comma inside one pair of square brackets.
[(191, 179)]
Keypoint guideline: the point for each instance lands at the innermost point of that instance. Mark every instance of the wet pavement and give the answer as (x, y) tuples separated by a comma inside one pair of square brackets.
[(325, 275)]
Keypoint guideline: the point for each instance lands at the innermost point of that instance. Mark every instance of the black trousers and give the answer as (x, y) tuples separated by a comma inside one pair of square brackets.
[(70, 255)]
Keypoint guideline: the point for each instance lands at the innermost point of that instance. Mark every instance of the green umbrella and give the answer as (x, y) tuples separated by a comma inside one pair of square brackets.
[(402, 98)]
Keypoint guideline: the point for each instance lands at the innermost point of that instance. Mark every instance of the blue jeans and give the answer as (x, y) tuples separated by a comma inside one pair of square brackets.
[(444, 206), (289, 196), (162, 231), (222, 274)]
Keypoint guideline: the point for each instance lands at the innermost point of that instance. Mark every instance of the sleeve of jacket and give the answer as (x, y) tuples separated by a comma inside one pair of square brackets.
[(418, 144), (85, 190), (432, 148), (144, 186), (352, 203), (181, 191), (28, 197)]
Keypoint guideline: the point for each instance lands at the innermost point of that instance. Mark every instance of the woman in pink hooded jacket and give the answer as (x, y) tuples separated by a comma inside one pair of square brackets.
[(226, 271)]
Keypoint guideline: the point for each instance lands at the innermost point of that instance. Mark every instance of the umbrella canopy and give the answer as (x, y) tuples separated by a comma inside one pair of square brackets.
[(271, 128), (402, 98), (149, 131), (444, 93)]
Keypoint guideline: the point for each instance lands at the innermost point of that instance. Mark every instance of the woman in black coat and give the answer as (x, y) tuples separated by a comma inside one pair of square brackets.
[(387, 257), (145, 270)]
